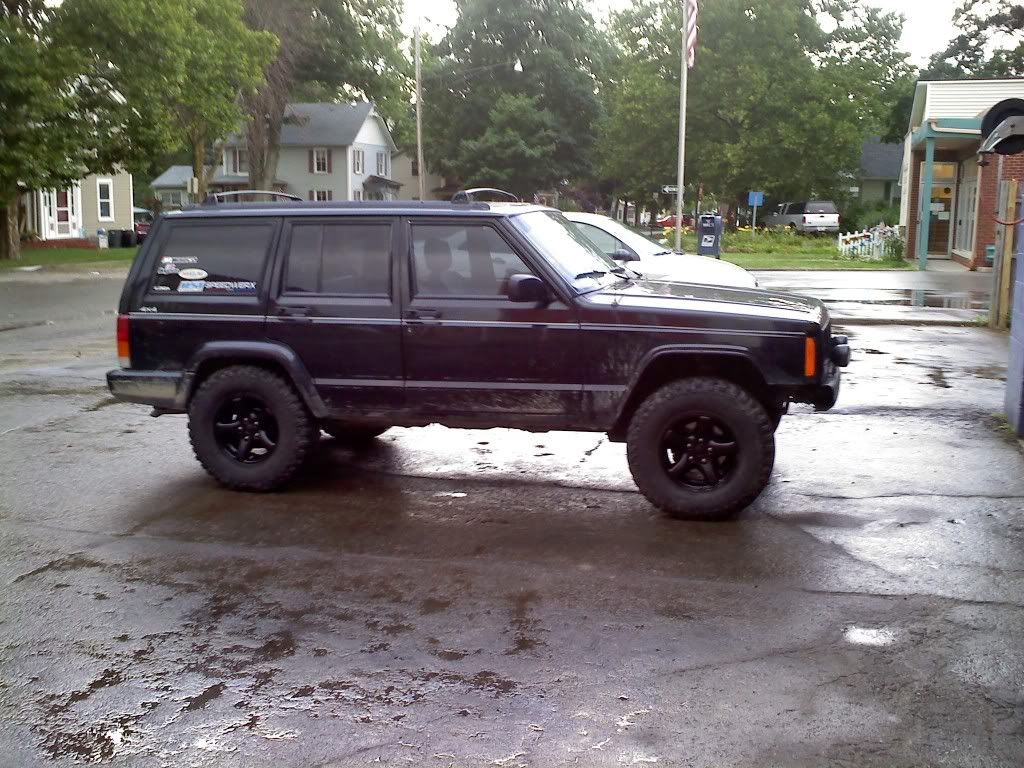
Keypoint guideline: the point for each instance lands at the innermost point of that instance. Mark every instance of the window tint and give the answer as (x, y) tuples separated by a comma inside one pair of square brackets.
[(341, 259), (468, 260), (605, 243), (795, 209), (218, 259), (821, 206)]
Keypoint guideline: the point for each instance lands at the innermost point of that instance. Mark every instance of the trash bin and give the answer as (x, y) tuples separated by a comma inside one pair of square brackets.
[(709, 235), (128, 238), (101, 238), (114, 238)]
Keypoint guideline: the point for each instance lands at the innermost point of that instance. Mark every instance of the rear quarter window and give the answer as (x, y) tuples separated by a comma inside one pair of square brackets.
[(219, 259)]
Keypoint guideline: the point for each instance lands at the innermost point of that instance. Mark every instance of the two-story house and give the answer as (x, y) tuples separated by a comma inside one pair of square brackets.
[(328, 152)]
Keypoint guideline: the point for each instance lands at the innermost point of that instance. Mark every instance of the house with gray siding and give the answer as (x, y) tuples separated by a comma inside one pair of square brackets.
[(98, 201), (328, 152)]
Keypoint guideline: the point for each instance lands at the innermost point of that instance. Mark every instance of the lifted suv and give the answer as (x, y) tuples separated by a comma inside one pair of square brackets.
[(269, 322)]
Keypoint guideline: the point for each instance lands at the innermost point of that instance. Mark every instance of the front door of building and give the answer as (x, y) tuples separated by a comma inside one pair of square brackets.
[(61, 213), (939, 209)]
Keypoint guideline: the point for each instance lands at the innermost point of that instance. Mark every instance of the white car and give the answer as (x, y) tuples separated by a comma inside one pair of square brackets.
[(654, 261)]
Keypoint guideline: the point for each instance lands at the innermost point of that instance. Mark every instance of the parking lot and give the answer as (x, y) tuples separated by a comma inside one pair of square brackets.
[(464, 598)]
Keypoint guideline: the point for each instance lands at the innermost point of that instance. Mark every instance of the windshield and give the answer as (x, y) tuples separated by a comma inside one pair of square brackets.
[(579, 261), (637, 242)]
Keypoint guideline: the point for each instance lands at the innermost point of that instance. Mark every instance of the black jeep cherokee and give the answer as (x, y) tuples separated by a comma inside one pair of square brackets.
[(267, 322)]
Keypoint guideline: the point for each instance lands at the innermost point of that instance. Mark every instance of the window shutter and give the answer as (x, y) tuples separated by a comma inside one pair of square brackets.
[(330, 162), (311, 163), (312, 195), (330, 192)]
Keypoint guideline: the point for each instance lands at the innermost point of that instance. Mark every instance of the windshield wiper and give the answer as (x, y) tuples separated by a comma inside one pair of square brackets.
[(592, 273), (660, 253)]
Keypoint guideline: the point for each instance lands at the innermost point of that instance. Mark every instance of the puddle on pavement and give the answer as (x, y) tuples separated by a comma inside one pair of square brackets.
[(871, 637)]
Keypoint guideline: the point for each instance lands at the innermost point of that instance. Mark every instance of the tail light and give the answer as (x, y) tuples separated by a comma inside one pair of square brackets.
[(124, 354), (805, 219)]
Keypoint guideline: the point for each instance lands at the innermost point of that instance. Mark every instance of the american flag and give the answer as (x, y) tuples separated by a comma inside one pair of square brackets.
[(691, 31)]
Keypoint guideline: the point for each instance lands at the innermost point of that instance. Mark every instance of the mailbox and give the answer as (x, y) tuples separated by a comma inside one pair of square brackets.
[(709, 235)]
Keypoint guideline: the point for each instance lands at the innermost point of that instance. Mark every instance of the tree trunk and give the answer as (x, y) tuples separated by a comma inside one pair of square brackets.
[(10, 238)]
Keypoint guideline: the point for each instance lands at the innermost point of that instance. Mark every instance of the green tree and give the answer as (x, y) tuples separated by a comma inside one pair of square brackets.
[(181, 67), (541, 55), (989, 41), (330, 50), (48, 131), (775, 102)]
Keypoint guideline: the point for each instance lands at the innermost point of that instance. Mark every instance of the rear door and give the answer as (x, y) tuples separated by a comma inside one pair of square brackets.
[(333, 302), (820, 216)]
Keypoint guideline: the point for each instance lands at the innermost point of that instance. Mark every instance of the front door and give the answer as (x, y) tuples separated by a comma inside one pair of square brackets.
[(61, 215), (334, 303), (470, 352)]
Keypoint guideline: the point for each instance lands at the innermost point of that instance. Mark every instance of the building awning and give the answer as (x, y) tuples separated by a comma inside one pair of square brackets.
[(948, 131), (380, 181)]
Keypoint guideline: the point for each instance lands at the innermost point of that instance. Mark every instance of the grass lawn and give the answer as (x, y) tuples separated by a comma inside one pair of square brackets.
[(783, 250), (76, 257)]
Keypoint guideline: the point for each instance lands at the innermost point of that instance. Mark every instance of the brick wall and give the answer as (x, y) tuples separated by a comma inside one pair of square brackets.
[(988, 200)]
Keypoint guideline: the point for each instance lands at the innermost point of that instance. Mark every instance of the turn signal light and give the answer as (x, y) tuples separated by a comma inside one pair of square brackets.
[(124, 354), (810, 357)]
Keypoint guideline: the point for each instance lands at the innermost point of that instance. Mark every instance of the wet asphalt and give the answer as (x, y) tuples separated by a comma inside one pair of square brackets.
[(498, 598)]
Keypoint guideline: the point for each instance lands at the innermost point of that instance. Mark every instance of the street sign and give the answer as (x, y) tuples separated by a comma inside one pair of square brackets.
[(755, 199), (670, 189)]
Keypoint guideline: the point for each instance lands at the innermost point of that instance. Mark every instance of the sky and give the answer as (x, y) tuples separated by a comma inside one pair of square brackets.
[(928, 26)]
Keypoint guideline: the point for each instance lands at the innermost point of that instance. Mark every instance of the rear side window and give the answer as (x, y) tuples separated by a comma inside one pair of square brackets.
[(821, 206), (339, 259), (221, 259), (795, 209)]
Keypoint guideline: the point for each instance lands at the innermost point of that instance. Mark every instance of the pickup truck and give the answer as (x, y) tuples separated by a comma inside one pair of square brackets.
[(810, 217)]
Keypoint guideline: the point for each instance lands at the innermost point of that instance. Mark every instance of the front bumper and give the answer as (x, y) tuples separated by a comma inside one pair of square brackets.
[(164, 390), (837, 357)]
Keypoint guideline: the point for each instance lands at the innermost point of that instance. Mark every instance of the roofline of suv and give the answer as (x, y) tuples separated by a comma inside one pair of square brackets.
[(371, 208)]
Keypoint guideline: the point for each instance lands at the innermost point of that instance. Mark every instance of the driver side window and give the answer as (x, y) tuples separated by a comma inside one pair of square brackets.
[(466, 260)]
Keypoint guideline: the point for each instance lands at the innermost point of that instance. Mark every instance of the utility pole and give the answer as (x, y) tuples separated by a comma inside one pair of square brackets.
[(419, 117), (683, 66)]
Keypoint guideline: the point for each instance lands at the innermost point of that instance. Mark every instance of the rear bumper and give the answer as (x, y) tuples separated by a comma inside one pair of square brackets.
[(162, 389)]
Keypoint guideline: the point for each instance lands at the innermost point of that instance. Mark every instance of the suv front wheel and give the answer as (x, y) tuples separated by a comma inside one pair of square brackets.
[(249, 428), (701, 448)]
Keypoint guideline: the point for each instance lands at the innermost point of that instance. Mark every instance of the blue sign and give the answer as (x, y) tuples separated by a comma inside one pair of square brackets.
[(755, 199)]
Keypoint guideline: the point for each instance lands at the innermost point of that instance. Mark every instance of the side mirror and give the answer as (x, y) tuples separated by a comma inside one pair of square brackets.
[(527, 289), (625, 255)]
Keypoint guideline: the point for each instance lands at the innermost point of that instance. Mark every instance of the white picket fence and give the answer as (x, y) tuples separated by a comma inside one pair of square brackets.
[(870, 244)]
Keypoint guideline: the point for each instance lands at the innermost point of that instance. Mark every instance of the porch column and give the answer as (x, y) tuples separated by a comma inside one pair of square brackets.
[(924, 219)]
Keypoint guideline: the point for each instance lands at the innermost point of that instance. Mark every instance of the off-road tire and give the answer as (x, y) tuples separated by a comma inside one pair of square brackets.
[(725, 402), (351, 434), (297, 431)]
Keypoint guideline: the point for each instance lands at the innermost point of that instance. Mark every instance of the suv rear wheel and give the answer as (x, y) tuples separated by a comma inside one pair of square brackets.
[(351, 434), (701, 448), (249, 428)]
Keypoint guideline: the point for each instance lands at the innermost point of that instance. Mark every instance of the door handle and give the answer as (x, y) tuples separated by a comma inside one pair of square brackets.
[(423, 314)]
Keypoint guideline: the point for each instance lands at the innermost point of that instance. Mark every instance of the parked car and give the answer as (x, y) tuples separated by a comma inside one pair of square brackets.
[(269, 322), (810, 217), (669, 220), (143, 218), (654, 261)]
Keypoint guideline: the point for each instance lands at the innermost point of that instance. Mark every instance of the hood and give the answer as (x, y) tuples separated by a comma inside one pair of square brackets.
[(694, 269), (711, 299)]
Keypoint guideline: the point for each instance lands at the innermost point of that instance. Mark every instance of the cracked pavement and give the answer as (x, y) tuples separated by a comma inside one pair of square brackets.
[(498, 598)]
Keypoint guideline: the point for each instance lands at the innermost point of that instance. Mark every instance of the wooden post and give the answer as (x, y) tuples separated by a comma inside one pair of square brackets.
[(1007, 212)]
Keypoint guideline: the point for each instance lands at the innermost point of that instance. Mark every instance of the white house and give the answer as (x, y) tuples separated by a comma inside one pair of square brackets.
[(99, 201), (328, 152)]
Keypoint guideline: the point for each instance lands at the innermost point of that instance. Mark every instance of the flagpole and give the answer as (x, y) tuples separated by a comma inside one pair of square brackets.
[(682, 127)]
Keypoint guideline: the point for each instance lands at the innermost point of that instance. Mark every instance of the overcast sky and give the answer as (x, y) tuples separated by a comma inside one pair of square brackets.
[(927, 29)]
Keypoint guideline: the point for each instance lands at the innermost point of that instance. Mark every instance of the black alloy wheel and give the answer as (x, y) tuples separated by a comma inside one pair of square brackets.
[(245, 429), (699, 452)]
